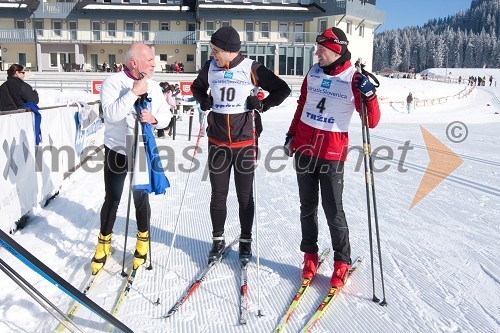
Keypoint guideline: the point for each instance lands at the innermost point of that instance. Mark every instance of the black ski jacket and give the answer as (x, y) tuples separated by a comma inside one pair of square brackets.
[(14, 93), (235, 130)]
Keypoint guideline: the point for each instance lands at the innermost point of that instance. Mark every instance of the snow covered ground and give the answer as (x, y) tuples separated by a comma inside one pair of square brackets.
[(440, 258)]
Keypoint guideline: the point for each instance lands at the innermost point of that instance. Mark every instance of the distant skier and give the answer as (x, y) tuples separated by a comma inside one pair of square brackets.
[(409, 102), (319, 135), (491, 79)]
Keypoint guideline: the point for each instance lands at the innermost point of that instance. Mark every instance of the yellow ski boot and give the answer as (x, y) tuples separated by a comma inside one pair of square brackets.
[(141, 249), (102, 252)]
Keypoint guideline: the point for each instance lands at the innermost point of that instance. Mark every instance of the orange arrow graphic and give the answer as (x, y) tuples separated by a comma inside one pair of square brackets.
[(442, 163)]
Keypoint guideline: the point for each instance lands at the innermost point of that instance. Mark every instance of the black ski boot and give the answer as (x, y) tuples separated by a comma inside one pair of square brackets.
[(218, 246), (245, 251)]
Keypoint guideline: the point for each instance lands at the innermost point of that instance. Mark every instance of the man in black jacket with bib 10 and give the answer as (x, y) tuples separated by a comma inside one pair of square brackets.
[(233, 81)]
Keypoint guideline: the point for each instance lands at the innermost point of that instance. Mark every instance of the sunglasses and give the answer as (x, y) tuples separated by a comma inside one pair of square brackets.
[(321, 39), (22, 72)]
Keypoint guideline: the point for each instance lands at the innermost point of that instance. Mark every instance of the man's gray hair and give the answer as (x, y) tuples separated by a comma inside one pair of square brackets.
[(132, 52)]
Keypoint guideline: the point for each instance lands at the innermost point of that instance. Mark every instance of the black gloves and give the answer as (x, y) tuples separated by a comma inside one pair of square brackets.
[(364, 85), (287, 146), (206, 104), (253, 103)]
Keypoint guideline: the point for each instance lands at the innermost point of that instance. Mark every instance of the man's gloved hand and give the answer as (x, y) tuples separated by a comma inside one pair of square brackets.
[(287, 146), (253, 103), (365, 86), (207, 103)]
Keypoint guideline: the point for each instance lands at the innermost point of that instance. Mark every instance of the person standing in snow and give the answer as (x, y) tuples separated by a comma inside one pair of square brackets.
[(409, 102), (232, 80), (318, 135), (119, 93)]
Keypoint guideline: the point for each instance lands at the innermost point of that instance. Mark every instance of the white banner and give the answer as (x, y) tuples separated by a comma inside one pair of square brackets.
[(32, 174), (18, 183)]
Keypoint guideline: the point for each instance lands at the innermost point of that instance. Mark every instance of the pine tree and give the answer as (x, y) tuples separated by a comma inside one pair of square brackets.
[(468, 38)]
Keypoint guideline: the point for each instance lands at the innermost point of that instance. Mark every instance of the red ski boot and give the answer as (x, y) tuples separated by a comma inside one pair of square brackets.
[(310, 265)]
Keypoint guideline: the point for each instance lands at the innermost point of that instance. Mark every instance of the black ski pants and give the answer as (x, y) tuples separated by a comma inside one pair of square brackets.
[(313, 173), (115, 172), (221, 160)]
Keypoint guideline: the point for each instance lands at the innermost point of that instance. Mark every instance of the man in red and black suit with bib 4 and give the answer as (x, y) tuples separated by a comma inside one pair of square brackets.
[(318, 135)]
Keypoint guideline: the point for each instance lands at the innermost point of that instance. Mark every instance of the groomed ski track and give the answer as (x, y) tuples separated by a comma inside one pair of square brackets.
[(431, 286)]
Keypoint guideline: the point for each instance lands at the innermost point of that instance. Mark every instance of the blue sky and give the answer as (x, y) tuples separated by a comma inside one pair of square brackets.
[(402, 13)]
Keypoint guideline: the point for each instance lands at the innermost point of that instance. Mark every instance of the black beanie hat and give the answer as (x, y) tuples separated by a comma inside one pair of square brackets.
[(226, 38)]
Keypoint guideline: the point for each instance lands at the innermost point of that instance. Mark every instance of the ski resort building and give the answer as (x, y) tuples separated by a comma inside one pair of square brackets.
[(58, 36)]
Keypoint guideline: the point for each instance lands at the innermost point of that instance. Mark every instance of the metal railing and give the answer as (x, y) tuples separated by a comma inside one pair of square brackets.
[(58, 7), (155, 37), (357, 9)]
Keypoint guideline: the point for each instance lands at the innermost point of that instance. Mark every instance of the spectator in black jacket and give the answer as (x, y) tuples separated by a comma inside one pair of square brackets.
[(233, 81), (15, 92)]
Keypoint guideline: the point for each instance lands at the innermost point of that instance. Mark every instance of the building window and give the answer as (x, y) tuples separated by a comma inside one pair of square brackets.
[(362, 30), (247, 1), (191, 26), (348, 29), (283, 30), (20, 24), (249, 30), (73, 30), (299, 32), (111, 29), (56, 28), (126, 1), (53, 59), (22, 59), (189, 57), (96, 30), (163, 1), (323, 1), (144, 1), (225, 24), (264, 30), (285, 2), (163, 57), (129, 29), (145, 31), (39, 28), (210, 28), (322, 26), (165, 26)]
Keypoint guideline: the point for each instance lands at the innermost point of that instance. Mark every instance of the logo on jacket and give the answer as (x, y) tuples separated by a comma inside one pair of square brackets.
[(326, 83), (228, 75)]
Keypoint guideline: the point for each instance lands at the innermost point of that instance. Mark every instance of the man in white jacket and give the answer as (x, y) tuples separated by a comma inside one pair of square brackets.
[(119, 93)]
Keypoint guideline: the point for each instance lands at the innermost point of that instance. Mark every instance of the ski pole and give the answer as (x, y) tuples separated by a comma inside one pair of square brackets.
[(131, 166), (255, 151), (185, 188), (369, 177), (37, 296)]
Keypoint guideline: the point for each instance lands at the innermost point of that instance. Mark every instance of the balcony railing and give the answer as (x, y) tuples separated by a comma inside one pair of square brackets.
[(16, 36), (358, 9), (97, 36), (284, 37), (58, 7), (152, 37)]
